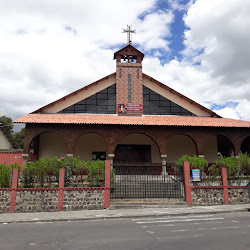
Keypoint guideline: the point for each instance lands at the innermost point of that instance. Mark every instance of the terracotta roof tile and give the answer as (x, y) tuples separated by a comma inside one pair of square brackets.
[(150, 120)]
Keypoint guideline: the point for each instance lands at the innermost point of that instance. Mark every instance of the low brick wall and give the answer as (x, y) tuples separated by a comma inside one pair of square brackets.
[(5, 200), (36, 200), (207, 196), (238, 196), (83, 199)]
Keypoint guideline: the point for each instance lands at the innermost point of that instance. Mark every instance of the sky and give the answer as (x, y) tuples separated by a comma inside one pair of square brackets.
[(199, 48)]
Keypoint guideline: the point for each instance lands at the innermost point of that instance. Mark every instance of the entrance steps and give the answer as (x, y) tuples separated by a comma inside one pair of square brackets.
[(146, 203), (147, 190)]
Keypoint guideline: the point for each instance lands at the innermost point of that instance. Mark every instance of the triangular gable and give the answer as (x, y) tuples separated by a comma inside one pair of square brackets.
[(78, 95), (127, 47), (103, 102), (176, 97), (156, 104)]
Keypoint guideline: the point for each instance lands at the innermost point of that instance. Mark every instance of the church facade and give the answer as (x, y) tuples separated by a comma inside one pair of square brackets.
[(130, 116)]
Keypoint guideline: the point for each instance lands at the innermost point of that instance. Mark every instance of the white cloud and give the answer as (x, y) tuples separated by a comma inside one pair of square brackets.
[(215, 66), (228, 113), (41, 60), (50, 48)]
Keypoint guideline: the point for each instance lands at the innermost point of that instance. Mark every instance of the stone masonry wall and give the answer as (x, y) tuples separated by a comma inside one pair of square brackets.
[(238, 196), (83, 199), (36, 201), (5, 201), (207, 197)]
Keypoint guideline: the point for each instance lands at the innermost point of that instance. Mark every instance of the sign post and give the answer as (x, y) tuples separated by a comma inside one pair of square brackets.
[(196, 175)]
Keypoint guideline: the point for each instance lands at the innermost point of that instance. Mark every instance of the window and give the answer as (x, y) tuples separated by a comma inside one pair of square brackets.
[(155, 104), (103, 102)]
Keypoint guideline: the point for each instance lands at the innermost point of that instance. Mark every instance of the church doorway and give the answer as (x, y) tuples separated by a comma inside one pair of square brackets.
[(138, 171), (133, 153), (137, 147)]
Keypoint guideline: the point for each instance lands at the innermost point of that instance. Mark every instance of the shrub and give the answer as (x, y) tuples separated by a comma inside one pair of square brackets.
[(244, 162), (235, 166), (96, 171), (214, 171), (195, 162), (38, 172), (4, 176)]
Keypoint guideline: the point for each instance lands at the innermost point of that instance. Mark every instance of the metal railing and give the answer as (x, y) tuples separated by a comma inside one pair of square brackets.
[(146, 180)]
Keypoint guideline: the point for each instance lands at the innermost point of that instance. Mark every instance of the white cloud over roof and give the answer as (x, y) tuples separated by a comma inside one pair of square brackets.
[(50, 48)]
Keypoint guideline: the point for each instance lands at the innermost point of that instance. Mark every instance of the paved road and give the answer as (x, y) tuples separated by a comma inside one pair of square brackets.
[(223, 231)]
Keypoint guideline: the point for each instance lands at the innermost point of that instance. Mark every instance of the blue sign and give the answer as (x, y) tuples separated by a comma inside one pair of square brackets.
[(196, 175)]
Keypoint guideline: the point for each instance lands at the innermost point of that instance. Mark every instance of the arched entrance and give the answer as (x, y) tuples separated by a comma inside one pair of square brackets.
[(48, 144), (179, 145), (217, 145), (139, 173), (245, 145), (137, 148), (91, 146)]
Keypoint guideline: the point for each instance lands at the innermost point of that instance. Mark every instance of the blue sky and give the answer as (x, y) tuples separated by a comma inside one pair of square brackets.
[(51, 48)]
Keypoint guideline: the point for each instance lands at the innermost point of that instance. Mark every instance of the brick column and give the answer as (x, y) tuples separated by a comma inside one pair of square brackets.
[(225, 185), (187, 186), (107, 184), (13, 190), (61, 187)]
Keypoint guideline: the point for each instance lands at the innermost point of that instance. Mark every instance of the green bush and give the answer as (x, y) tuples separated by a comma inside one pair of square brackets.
[(195, 162), (214, 171), (244, 162), (235, 166), (37, 172), (96, 170), (232, 165), (5, 174)]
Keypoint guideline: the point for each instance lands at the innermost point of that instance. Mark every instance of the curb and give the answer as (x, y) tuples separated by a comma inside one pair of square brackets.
[(112, 217)]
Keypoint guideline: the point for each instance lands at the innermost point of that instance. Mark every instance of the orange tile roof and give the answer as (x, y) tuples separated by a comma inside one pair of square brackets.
[(157, 120)]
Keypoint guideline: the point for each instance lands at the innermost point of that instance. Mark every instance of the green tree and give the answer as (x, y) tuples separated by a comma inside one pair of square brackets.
[(18, 138), (6, 125)]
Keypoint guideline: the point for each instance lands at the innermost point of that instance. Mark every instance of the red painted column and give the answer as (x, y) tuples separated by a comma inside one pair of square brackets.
[(187, 186), (13, 190), (107, 184), (61, 188), (225, 185)]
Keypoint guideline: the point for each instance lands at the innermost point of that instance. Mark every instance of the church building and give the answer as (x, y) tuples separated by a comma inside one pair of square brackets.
[(128, 116)]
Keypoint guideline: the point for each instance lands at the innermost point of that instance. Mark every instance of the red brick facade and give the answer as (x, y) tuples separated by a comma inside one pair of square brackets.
[(72, 126), (123, 70), (114, 133)]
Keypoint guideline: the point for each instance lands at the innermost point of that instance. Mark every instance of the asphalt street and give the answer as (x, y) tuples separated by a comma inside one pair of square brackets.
[(210, 231)]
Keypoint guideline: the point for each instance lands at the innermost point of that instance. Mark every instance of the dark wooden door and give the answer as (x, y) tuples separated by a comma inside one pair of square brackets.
[(133, 153)]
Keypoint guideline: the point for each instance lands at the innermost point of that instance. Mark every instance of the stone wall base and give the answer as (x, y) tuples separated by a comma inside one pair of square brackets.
[(83, 199), (238, 196), (207, 197), (5, 201)]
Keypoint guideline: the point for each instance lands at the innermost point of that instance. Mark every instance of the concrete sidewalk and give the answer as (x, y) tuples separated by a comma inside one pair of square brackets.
[(119, 213)]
